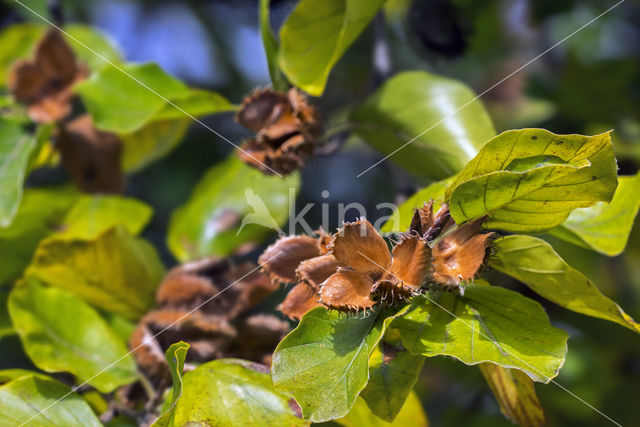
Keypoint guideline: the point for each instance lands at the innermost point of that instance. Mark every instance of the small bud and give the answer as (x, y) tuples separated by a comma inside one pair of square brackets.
[(44, 82)]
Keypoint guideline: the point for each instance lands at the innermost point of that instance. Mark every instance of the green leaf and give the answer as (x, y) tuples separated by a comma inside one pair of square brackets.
[(7, 375), (604, 227), (231, 392), (18, 41), (392, 374), (487, 324), (93, 215), (6, 328), (271, 48), (151, 142), (16, 148), (38, 216), (422, 108), (208, 223), (196, 102), (120, 103), (60, 332), (411, 414), (45, 402), (316, 35), (116, 272), (324, 362), (123, 99), (402, 219), (534, 262), (515, 393), (91, 46), (530, 180), (175, 355)]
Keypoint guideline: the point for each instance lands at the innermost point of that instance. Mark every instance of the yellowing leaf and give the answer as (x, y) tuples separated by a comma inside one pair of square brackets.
[(515, 393), (175, 355), (115, 272), (37, 400), (604, 227), (32, 223), (60, 332), (151, 142), (90, 216), (411, 414), (534, 262), (232, 392), (530, 180)]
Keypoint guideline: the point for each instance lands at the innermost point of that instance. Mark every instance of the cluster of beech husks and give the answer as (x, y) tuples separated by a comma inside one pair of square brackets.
[(208, 303), (354, 269), (44, 83), (286, 128)]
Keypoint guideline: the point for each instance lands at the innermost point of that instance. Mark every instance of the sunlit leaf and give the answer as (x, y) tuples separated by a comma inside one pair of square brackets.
[(120, 103), (7, 375), (115, 272), (324, 362), (487, 324), (411, 414), (271, 48), (60, 332), (316, 35), (90, 216), (604, 227), (402, 220), (196, 102), (209, 222), (515, 393), (36, 400), (534, 262), (423, 106), (123, 99), (175, 355), (392, 374), (92, 47), (16, 148), (231, 392), (151, 142), (530, 180), (39, 214)]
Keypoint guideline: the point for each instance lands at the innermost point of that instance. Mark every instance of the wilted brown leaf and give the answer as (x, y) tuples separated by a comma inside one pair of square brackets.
[(91, 156), (44, 82)]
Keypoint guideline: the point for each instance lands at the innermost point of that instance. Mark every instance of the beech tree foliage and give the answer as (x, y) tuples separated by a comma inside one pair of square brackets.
[(112, 334)]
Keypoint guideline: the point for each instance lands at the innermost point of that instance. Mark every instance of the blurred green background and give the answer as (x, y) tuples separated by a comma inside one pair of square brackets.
[(587, 84)]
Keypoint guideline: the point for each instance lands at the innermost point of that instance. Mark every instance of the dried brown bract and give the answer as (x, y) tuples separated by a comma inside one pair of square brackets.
[(458, 252), (303, 260), (206, 304), (373, 274), (286, 127), (91, 156), (353, 272), (44, 82)]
